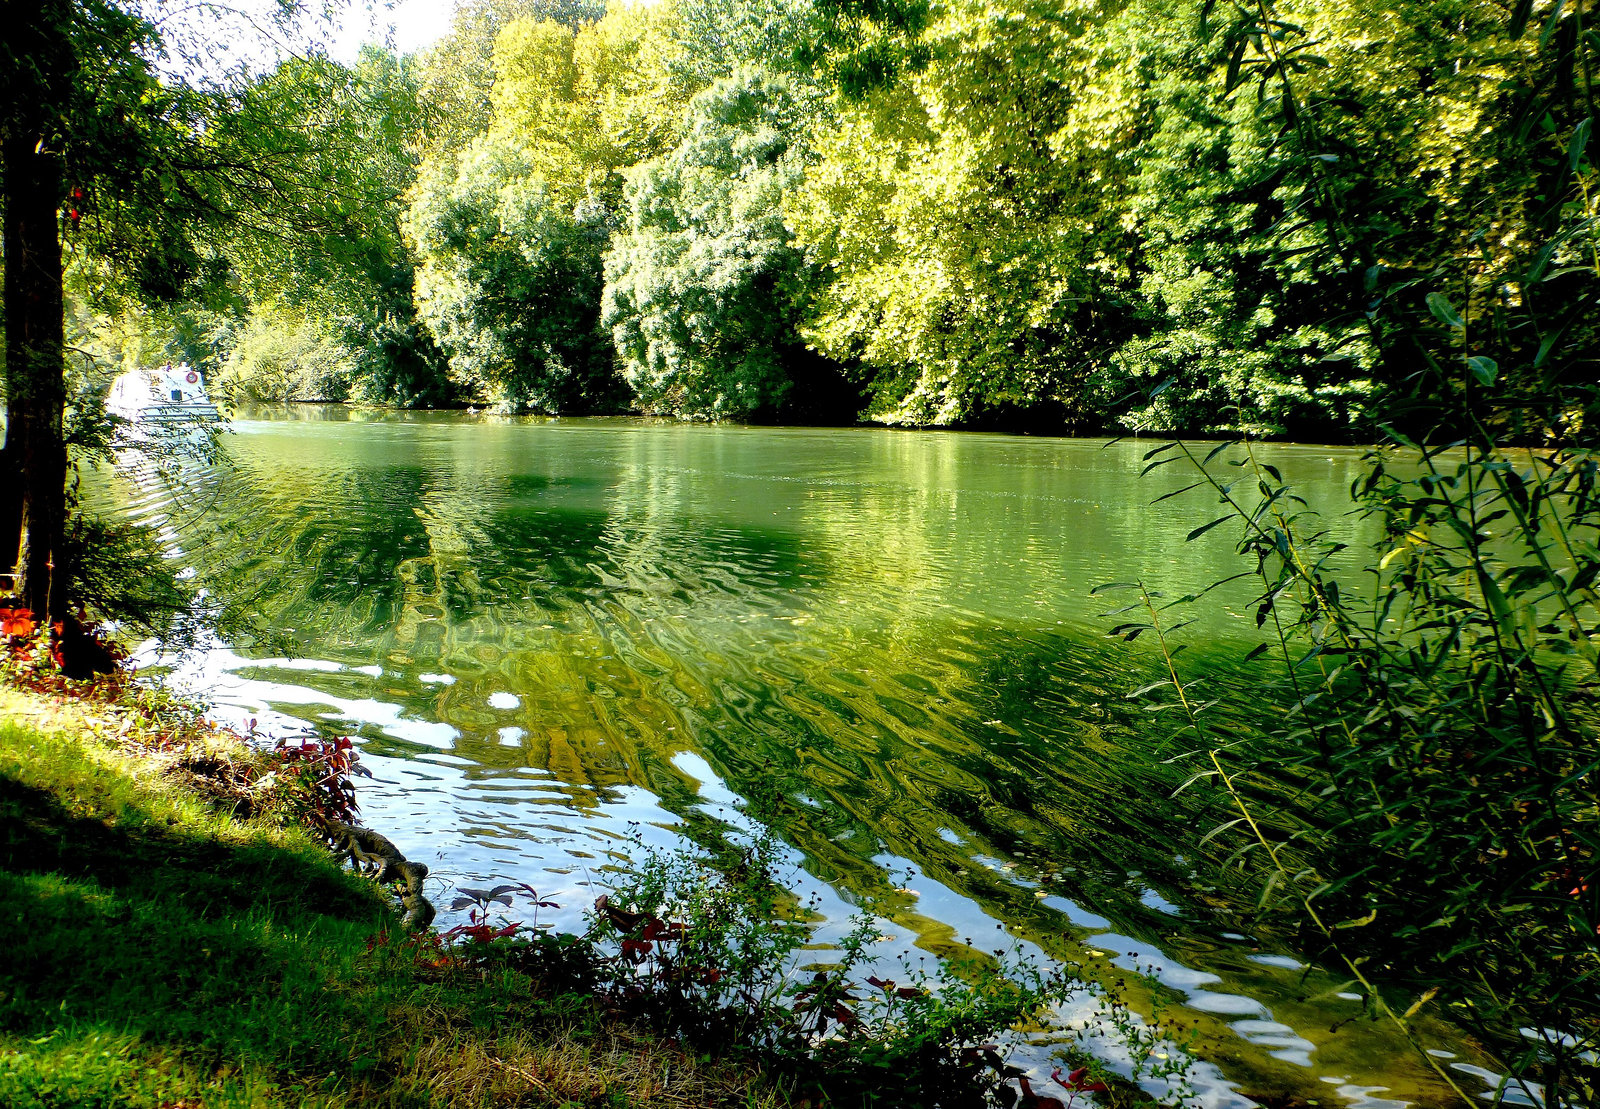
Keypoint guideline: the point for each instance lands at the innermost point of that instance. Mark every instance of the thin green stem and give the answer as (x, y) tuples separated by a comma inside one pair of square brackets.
[(1213, 753)]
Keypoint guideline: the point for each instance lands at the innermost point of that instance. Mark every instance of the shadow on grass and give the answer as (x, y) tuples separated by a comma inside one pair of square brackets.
[(245, 950), (158, 954), (145, 854)]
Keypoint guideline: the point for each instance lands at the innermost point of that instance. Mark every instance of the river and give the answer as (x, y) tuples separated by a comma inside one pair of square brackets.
[(550, 637)]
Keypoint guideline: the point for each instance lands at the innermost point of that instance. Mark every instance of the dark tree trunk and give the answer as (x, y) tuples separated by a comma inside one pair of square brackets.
[(10, 509), (38, 50)]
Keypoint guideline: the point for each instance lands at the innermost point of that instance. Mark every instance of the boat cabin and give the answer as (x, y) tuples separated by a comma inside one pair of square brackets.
[(172, 391)]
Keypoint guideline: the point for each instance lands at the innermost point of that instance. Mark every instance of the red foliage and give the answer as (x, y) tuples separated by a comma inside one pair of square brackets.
[(75, 651), (1031, 1100), (460, 946), (80, 649), (16, 623), (1078, 1081), (324, 768)]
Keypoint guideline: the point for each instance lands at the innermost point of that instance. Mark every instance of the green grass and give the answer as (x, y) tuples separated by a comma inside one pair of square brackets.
[(155, 953)]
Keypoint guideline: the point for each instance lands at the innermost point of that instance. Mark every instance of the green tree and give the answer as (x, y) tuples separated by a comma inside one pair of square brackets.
[(348, 279), (456, 75), (1058, 206), (512, 228), (709, 39), (970, 256), (703, 287), (94, 150), (510, 284), (1253, 318)]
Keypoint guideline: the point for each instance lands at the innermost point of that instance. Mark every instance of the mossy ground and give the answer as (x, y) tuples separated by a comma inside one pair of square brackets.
[(156, 951)]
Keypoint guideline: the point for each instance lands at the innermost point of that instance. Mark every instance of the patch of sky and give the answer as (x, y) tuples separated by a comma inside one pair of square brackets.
[(1150, 899), (1076, 913)]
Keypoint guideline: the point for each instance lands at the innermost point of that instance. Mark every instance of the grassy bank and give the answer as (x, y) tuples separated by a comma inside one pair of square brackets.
[(158, 951)]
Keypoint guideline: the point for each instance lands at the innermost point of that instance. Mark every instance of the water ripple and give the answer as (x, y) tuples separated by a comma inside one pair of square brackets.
[(549, 636)]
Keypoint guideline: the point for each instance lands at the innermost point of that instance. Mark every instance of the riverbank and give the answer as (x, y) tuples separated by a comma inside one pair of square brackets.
[(163, 952)]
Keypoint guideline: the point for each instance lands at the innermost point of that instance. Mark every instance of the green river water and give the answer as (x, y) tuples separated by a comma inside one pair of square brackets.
[(545, 633)]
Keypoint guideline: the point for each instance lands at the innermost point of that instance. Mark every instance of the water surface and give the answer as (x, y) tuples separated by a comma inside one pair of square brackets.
[(549, 635)]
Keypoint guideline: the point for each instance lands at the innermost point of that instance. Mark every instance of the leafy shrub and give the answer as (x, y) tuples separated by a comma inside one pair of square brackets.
[(286, 356), (704, 289), (308, 780), (701, 949), (708, 950), (1446, 720), (711, 951), (55, 658), (1441, 698), (119, 573)]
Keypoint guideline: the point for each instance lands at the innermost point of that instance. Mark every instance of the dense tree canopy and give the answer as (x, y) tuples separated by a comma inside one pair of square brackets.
[(511, 227), (703, 287), (1056, 215)]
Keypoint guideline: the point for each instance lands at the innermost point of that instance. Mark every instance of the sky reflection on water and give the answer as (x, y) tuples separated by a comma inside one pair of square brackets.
[(550, 636)]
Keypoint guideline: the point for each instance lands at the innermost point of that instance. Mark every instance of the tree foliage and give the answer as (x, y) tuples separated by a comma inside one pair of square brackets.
[(965, 253), (1066, 205), (347, 276), (510, 282), (458, 72), (1005, 212), (703, 287), (512, 228)]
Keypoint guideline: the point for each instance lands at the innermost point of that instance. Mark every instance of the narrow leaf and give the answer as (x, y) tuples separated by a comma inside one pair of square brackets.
[(1546, 345), (1417, 1005), (1143, 689), (1575, 145), (1203, 528), (1218, 830), (1556, 10), (1519, 19)]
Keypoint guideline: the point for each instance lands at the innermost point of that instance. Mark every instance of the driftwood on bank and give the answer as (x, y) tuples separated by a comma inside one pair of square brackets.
[(375, 855)]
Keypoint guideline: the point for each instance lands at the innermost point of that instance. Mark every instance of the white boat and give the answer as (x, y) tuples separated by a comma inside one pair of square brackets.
[(171, 398)]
